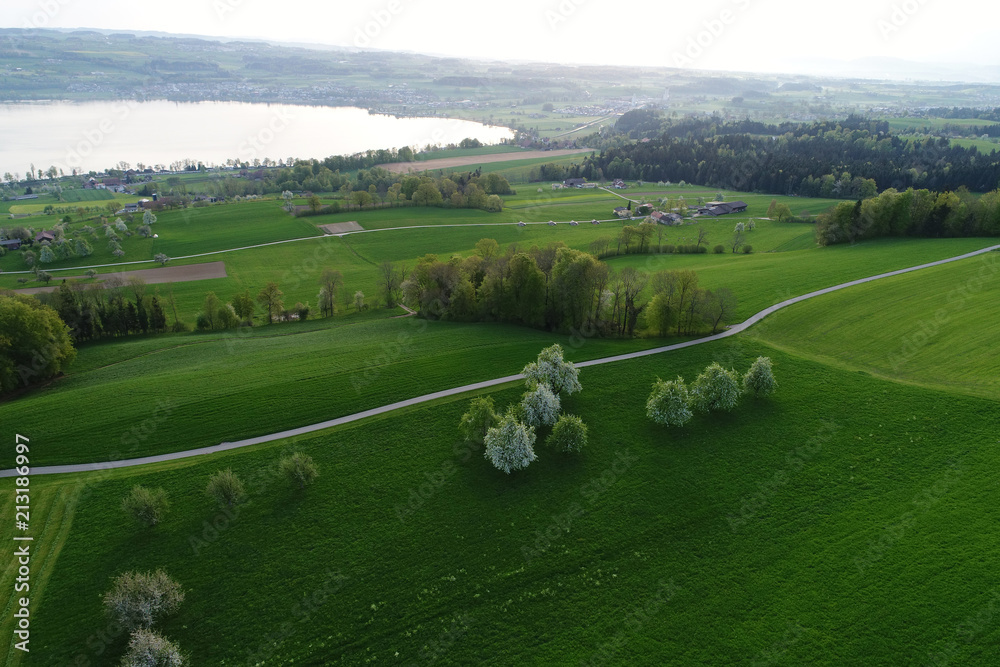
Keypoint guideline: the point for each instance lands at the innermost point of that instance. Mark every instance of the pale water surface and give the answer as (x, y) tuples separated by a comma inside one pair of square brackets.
[(98, 135)]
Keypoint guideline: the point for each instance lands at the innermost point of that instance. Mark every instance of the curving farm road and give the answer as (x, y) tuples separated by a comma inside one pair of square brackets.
[(226, 446)]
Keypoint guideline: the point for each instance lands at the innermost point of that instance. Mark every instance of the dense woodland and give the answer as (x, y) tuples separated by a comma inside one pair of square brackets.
[(852, 159)]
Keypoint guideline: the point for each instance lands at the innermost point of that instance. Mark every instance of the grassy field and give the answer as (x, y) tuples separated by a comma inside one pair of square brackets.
[(856, 534), (935, 328)]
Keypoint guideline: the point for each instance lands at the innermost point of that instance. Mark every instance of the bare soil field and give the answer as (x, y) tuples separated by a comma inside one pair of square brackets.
[(475, 160), (341, 228), (166, 274)]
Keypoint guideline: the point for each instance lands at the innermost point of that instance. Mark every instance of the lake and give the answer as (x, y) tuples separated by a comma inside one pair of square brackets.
[(98, 135)]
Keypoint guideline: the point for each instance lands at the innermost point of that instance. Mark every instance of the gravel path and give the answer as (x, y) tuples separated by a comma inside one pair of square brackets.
[(226, 446)]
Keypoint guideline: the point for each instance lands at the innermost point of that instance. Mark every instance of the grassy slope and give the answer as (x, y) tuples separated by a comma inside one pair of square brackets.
[(792, 572), (937, 327), (186, 392)]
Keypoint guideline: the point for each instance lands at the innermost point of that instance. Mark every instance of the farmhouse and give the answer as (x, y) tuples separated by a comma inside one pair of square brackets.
[(666, 218), (10, 244), (45, 236), (623, 212), (723, 208), (574, 182), (619, 184)]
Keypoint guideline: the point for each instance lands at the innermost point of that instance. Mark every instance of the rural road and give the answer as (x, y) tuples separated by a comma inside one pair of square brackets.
[(226, 446)]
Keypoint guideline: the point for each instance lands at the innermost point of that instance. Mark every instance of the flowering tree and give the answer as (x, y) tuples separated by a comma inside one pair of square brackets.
[(121, 226), (299, 469), (759, 380), (148, 218), (149, 649), (510, 444), (540, 406), (551, 369), (480, 418), (138, 599), (146, 505), (715, 389), (668, 403), (568, 435)]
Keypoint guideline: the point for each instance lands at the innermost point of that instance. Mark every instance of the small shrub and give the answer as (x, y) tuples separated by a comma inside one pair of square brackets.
[(226, 488), (747, 249), (147, 506), (719, 249), (299, 468), (568, 435)]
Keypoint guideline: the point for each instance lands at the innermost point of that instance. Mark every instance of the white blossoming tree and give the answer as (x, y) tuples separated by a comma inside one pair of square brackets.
[(149, 649), (120, 225), (759, 380), (551, 369), (148, 218), (568, 435), (715, 389), (510, 444), (540, 406), (668, 403), (139, 599)]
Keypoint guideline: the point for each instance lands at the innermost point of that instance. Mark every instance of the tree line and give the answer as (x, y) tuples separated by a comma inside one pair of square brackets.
[(562, 289), (912, 212)]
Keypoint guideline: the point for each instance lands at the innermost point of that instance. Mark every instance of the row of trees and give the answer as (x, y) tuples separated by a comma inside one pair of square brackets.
[(911, 213), (673, 403), (560, 288), (111, 310)]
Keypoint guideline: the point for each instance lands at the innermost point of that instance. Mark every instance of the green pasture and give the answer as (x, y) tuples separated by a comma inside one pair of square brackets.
[(858, 533), (936, 327)]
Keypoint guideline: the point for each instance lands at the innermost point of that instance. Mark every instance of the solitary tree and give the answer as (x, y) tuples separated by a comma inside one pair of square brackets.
[(480, 418), (359, 300), (715, 389), (270, 299), (540, 406), (147, 218), (510, 444), (226, 488), (244, 306), (568, 435), (161, 258), (287, 196), (759, 380), (149, 649), (550, 368), (147, 506), (299, 469), (315, 203), (668, 403), (330, 282), (139, 599)]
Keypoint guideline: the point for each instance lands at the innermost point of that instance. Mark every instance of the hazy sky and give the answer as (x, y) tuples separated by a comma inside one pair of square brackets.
[(718, 34)]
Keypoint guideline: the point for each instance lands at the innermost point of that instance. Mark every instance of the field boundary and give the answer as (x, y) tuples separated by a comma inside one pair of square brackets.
[(486, 384)]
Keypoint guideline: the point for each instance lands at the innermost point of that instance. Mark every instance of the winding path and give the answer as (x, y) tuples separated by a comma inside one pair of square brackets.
[(226, 446)]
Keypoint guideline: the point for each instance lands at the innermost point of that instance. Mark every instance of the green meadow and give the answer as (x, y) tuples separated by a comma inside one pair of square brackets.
[(846, 520)]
